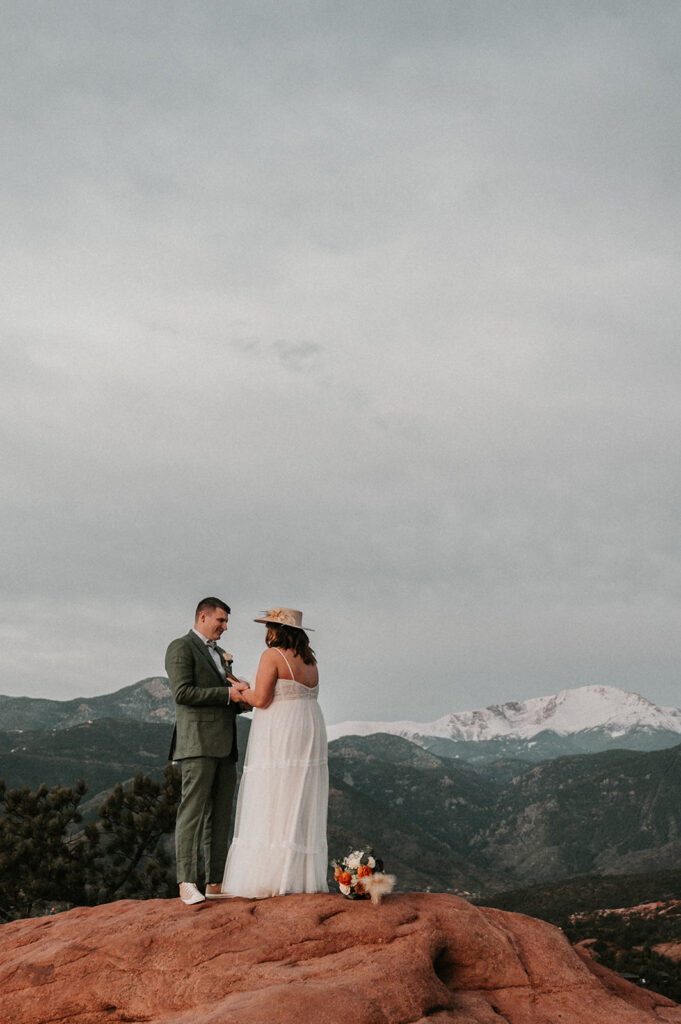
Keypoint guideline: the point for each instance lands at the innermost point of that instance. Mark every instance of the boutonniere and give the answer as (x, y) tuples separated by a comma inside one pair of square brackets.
[(227, 658)]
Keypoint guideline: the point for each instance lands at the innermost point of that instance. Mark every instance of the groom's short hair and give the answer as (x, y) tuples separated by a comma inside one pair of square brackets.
[(209, 604)]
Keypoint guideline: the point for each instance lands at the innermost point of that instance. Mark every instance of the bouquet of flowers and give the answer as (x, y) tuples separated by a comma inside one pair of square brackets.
[(360, 876)]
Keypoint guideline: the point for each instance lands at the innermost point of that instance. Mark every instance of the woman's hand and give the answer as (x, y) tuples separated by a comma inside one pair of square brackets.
[(238, 684), (247, 696), (236, 688)]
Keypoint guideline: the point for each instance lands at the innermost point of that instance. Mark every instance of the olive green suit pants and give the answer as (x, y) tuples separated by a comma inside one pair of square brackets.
[(208, 785)]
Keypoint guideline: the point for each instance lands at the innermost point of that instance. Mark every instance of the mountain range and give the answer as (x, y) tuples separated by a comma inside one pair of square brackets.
[(583, 720), (149, 700), (440, 822), (586, 719)]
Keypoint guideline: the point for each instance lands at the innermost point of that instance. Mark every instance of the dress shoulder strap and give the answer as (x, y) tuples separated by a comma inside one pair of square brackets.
[(286, 660)]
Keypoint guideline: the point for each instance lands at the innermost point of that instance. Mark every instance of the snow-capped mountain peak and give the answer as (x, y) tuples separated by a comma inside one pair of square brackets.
[(606, 708)]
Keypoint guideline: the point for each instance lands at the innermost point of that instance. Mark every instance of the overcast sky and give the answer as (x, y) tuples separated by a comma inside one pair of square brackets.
[(365, 308)]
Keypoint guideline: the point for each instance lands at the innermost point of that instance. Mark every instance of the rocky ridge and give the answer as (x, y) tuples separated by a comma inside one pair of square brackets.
[(149, 700), (582, 720), (418, 957), (569, 711)]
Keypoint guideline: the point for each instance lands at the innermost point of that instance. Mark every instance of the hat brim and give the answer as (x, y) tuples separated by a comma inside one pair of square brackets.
[(276, 622)]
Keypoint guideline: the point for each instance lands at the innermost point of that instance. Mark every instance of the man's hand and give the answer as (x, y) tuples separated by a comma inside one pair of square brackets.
[(237, 684), (236, 688)]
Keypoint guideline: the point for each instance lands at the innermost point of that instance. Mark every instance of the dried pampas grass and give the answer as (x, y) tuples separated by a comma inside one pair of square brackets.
[(378, 885)]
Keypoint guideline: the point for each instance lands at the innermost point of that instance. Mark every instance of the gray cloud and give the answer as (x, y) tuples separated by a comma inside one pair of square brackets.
[(371, 310)]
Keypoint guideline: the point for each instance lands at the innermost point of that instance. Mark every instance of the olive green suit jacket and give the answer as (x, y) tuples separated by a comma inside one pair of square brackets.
[(205, 721)]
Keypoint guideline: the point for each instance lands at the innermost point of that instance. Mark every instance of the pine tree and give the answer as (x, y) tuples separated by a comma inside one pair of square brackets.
[(40, 858), (131, 861), (45, 858)]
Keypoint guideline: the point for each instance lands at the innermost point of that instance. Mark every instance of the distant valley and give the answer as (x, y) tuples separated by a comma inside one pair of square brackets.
[(440, 822)]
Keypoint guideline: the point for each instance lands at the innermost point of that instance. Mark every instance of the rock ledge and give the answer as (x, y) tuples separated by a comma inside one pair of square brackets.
[(420, 958)]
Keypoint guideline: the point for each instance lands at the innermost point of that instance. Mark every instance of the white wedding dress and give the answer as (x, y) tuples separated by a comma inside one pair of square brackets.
[(279, 843)]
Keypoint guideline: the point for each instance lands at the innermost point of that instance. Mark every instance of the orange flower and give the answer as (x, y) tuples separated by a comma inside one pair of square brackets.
[(364, 871), (338, 872), (345, 878), (359, 889)]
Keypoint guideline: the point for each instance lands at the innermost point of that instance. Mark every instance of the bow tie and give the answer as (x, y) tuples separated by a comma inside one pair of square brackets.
[(211, 643)]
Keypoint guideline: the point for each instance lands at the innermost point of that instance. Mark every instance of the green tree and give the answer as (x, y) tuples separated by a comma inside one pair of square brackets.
[(40, 858), (130, 860), (45, 858)]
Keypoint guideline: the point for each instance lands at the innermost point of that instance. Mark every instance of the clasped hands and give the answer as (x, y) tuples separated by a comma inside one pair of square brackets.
[(237, 688)]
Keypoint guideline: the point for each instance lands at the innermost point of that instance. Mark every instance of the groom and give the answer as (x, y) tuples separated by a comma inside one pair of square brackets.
[(204, 742)]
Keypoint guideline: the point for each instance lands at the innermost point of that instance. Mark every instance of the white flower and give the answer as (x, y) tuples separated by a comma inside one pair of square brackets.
[(371, 862), (345, 889), (353, 861)]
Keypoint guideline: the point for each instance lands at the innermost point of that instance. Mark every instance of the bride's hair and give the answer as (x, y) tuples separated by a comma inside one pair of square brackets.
[(290, 639)]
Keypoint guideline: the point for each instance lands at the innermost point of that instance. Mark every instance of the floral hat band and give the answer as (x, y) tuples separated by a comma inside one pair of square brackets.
[(284, 617)]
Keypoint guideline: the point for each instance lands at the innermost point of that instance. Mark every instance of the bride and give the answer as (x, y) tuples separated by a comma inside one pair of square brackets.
[(279, 843)]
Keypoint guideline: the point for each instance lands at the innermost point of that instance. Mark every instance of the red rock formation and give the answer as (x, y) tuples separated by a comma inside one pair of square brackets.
[(417, 959), (672, 950)]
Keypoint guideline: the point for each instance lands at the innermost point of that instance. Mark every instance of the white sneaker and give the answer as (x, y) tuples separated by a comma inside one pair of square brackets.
[(189, 894)]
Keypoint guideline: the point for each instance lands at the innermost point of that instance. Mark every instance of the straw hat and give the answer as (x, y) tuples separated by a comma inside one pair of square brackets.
[(284, 617)]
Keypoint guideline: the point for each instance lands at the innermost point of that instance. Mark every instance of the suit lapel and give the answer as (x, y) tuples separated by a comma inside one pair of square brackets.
[(206, 653)]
